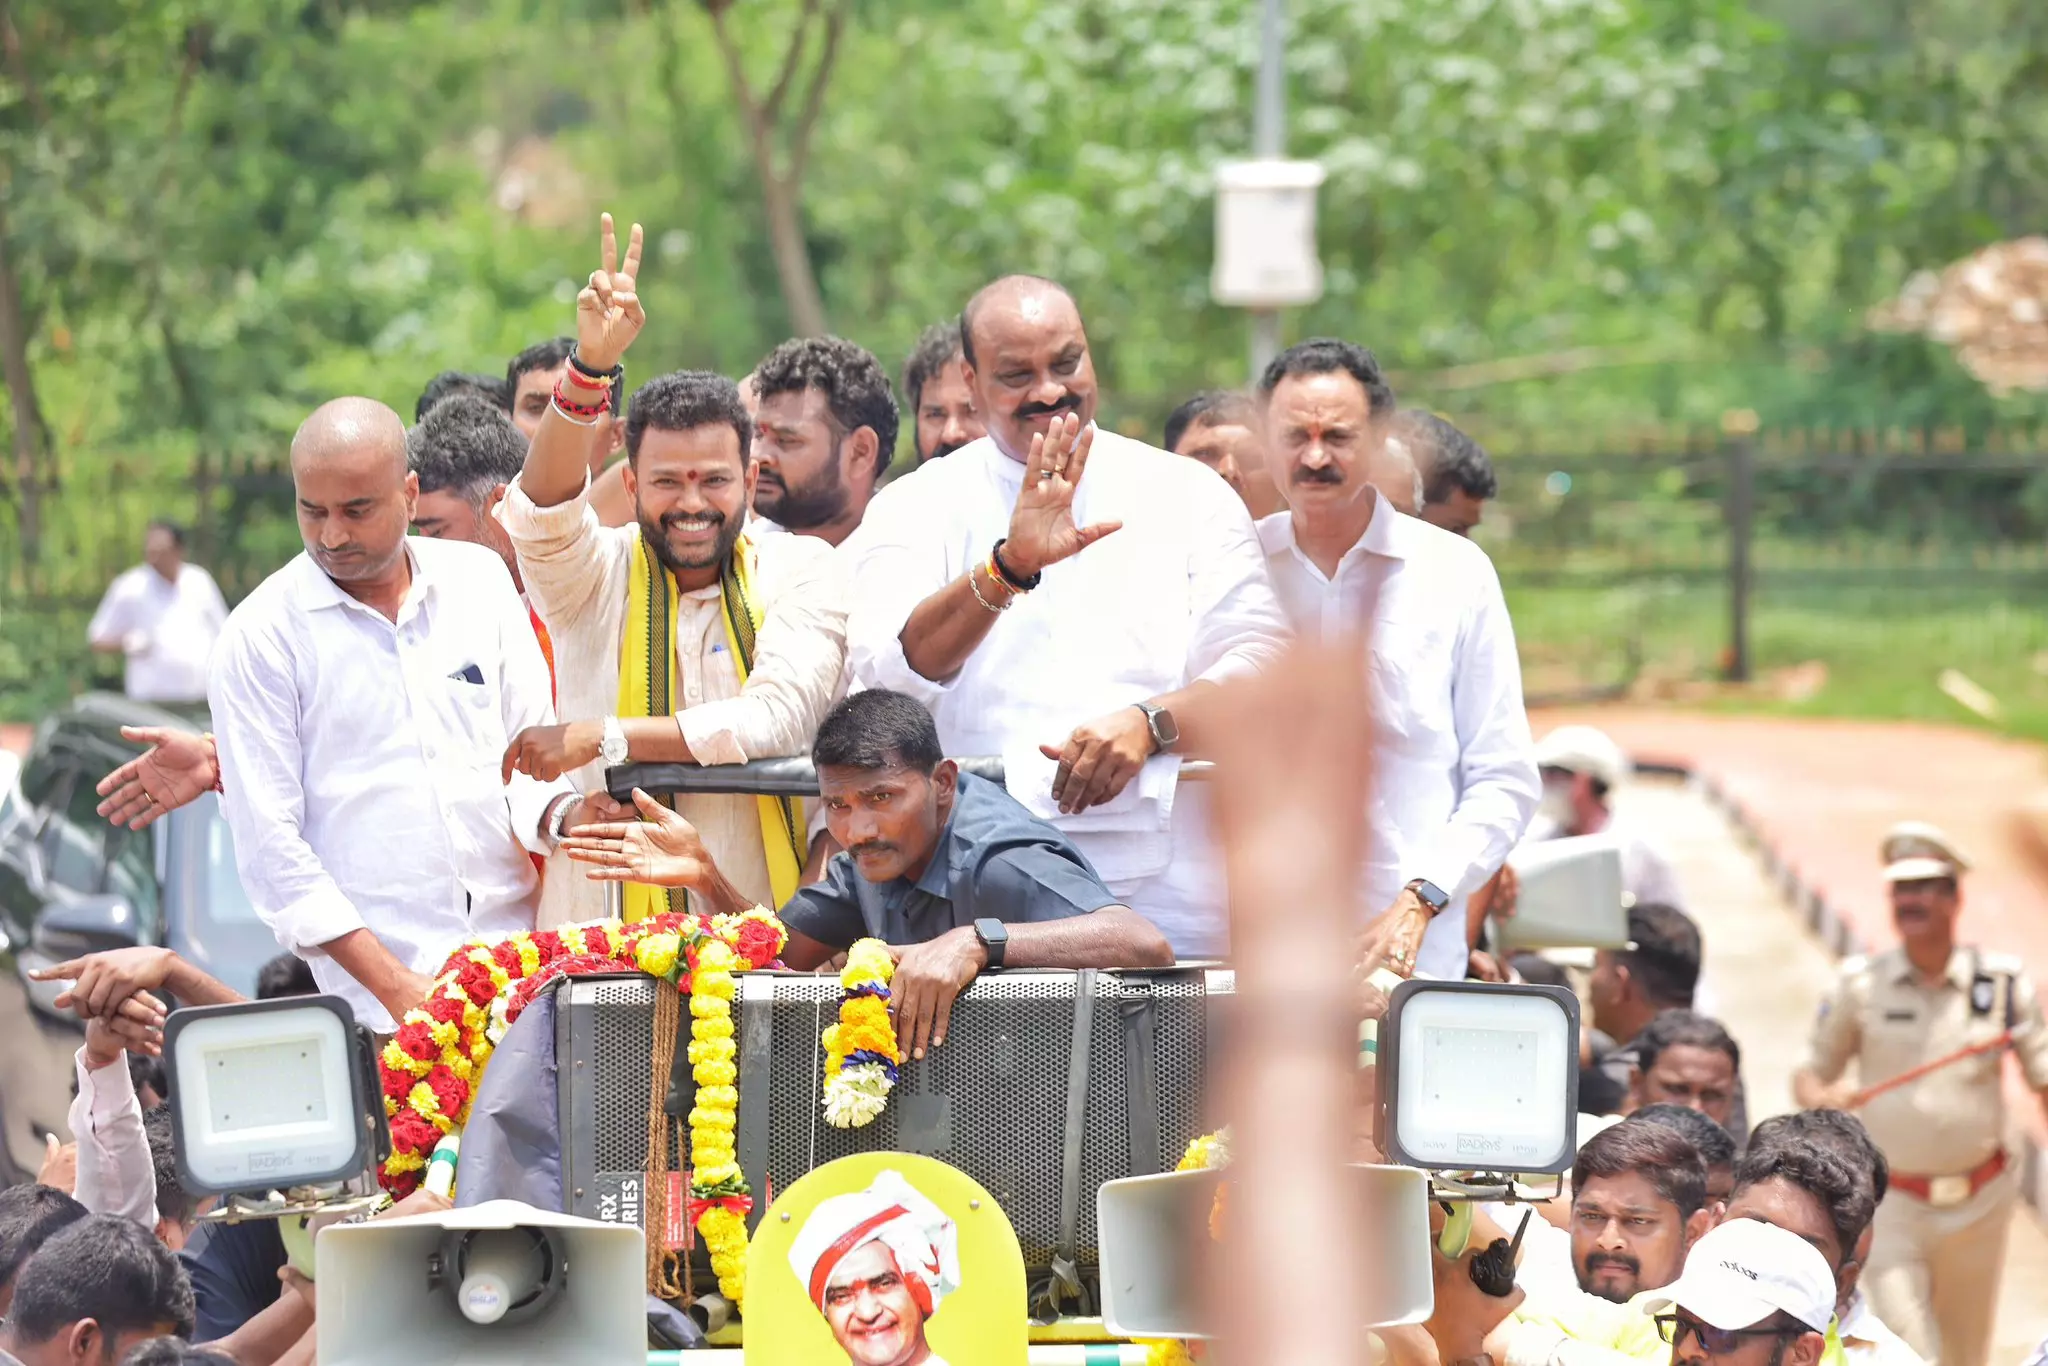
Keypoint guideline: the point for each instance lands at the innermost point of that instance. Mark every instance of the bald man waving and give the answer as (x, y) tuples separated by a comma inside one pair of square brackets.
[(362, 698)]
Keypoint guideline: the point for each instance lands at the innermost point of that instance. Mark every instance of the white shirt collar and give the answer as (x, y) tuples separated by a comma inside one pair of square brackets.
[(315, 590), (1384, 534)]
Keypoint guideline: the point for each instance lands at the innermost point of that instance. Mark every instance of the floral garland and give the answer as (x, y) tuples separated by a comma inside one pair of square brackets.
[(431, 1066), (1207, 1152), (861, 1053)]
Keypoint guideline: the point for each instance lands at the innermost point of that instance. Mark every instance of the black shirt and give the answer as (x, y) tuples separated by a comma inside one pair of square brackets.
[(994, 860), (234, 1274)]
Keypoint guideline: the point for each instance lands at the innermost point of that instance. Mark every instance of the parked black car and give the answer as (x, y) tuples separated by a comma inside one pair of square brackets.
[(70, 883)]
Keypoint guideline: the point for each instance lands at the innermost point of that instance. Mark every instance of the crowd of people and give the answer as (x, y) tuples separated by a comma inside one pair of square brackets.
[(410, 735)]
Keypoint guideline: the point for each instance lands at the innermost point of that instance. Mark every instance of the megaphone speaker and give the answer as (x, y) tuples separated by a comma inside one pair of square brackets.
[(1153, 1227), (1570, 897), (498, 1282)]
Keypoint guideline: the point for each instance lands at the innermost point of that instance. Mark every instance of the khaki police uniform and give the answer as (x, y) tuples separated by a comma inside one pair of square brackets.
[(1941, 1231)]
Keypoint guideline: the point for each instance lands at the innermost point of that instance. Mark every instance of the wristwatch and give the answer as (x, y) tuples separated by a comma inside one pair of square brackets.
[(1429, 894), (994, 937), (1158, 720), (612, 748), (558, 823)]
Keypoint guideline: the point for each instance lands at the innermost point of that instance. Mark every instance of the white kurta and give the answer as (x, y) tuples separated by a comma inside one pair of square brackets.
[(577, 575), (1179, 594)]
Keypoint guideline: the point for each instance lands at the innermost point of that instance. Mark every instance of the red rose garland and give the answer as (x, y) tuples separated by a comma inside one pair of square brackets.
[(430, 1068)]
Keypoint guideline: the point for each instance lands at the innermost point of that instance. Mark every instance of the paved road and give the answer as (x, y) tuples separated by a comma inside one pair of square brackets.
[(1766, 973)]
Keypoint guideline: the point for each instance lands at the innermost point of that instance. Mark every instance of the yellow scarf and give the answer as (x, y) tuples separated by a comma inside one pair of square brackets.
[(647, 687)]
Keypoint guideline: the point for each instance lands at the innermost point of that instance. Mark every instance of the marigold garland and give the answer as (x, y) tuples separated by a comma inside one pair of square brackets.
[(861, 1054), (430, 1068), (1207, 1152)]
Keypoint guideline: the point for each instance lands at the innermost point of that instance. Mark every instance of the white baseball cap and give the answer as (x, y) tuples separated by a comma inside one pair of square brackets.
[(1584, 749), (1742, 1271)]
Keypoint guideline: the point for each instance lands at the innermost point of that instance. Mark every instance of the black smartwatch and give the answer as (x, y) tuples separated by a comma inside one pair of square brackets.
[(994, 937), (1429, 894)]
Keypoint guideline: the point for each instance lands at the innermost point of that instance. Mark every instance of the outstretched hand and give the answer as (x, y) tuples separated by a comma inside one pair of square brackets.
[(608, 312), (661, 848), (1042, 527), (174, 770)]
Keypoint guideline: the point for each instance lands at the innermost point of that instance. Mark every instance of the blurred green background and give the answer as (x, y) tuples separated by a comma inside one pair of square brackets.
[(214, 216)]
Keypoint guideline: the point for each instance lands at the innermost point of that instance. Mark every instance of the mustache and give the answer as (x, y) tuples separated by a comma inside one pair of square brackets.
[(872, 847), (946, 449), (1317, 474), (1600, 1259), (1066, 403)]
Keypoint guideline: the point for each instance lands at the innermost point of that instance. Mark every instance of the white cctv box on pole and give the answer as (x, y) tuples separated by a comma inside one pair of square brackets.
[(1266, 234)]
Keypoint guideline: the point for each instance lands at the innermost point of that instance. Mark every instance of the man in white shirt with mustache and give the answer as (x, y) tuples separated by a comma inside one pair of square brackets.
[(1053, 593), (1454, 772)]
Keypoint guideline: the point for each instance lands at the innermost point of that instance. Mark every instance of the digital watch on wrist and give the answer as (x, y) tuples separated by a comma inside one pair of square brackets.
[(1429, 894), (994, 937)]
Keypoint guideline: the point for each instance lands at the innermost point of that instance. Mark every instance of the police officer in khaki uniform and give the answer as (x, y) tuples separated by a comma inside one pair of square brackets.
[(1941, 1231)]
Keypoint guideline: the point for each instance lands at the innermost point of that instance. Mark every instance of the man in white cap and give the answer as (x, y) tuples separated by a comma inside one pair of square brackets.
[(1751, 1295), (878, 1263), (1582, 770), (1941, 1232)]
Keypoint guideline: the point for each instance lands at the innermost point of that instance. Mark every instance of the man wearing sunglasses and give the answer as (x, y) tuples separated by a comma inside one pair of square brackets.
[(1752, 1295)]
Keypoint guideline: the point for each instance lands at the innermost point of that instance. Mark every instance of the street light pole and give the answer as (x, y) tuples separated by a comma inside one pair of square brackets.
[(1269, 141)]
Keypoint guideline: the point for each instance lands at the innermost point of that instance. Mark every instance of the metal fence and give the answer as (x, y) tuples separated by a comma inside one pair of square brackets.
[(1842, 571), (1849, 572)]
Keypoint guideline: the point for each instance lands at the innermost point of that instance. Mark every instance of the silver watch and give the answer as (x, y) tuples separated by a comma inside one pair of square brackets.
[(612, 748)]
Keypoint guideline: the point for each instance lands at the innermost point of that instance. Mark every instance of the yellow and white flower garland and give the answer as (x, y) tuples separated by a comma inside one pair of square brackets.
[(861, 1052)]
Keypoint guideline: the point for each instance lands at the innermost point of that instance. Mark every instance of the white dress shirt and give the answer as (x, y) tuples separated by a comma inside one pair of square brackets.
[(1454, 778), (1178, 595), (361, 768), (115, 1173), (577, 576), (167, 630)]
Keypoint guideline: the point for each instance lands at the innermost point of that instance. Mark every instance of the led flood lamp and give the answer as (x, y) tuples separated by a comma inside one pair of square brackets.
[(273, 1096), (1479, 1077)]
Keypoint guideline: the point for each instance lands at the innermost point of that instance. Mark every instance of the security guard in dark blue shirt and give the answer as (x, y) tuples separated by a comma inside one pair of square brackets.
[(947, 869)]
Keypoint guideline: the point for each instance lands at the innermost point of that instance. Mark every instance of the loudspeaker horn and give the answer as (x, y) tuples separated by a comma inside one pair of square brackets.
[(1150, 1228), (499, 1282), (1570, 896)]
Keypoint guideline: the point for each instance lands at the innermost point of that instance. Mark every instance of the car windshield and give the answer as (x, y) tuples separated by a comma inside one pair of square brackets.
[(210, 919)]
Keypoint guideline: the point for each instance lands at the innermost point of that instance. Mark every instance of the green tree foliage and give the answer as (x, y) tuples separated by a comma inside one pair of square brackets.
[(218, 215)]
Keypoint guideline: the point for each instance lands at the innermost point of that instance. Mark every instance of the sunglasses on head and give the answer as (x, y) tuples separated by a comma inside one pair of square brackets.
[(1715, 1342)]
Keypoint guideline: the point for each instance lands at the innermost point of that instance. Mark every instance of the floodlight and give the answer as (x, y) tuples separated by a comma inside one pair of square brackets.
[(273, 1096), (1479, 1077)]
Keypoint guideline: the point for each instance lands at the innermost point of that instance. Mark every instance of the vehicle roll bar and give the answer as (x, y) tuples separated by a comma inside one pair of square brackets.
[(791, 777)]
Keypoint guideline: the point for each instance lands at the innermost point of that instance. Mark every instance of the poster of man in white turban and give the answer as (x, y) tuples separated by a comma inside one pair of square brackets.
[(878, 1264)]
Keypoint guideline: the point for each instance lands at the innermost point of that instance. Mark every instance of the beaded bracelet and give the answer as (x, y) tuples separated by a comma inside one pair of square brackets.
[(581, 412)]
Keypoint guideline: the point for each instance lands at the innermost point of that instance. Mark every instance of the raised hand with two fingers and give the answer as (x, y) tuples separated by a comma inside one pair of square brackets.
[(608, 312)]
